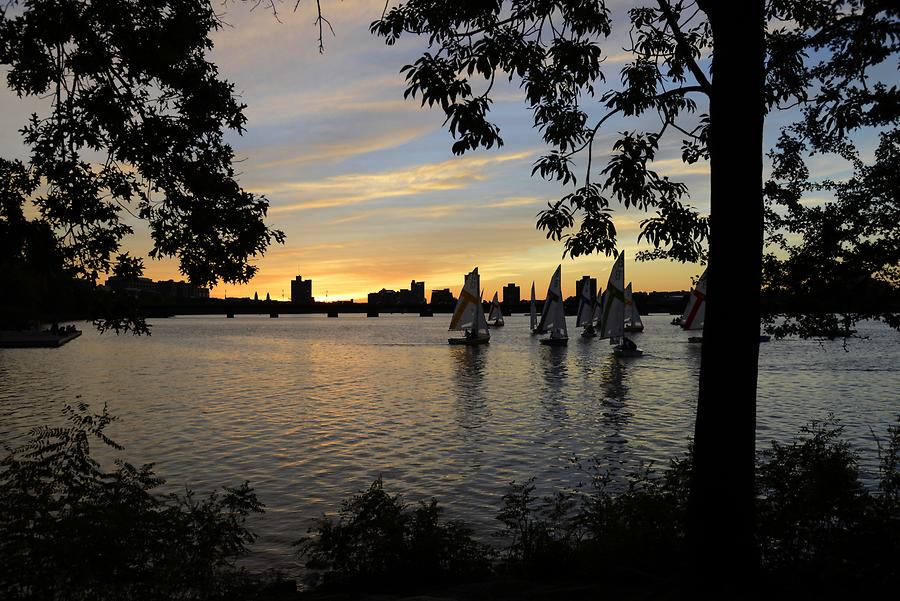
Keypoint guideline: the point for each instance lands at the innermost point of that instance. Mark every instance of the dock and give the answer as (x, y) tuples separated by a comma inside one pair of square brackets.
[(33, 339)]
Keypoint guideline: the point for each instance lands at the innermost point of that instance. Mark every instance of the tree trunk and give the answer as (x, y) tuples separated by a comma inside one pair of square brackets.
[(722, 490)]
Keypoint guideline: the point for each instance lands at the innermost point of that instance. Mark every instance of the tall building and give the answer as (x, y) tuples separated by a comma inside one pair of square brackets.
[(418, 290), (511, 294), (399, 298), (591, 282), (301, 291), (442, 298)]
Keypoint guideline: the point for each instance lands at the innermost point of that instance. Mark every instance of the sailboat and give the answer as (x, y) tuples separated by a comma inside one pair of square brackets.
[(587, 303), (496, 313), (468, 316), (553, 317), (534, 321), (633, 321), (695, 310), (612, 320)]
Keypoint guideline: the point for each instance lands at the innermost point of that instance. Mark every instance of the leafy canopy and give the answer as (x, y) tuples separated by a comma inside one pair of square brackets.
[(135, 128)]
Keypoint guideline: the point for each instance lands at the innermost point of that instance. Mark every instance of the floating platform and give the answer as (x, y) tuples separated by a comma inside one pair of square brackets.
[(369, 314), (30, 339)]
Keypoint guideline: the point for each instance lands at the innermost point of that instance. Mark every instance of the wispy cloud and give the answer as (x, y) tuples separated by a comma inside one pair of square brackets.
[(335, 150), (516, 202), (357, 188)]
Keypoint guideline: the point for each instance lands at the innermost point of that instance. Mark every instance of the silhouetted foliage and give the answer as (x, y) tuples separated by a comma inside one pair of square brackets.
[(71, 529), (822, 532), (378, 541), (818, 524), (136, 125), (554, 50), (541, 531), (837, 258)]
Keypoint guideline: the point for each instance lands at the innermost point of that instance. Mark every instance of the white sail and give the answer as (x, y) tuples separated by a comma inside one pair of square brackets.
[(533, 308), (553, 318), (468, 307), (496, 313), (612, 319), (598, 309), (559, 329), (696, 307), (586, 302), (481, 325), (632, 315), (546, 322)]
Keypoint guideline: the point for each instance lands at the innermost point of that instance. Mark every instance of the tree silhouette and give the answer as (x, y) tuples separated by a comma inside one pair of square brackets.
[(135, 126), (679, 52)]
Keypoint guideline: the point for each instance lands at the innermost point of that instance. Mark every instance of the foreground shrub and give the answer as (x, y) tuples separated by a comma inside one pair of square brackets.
[(820, 532), (378, 541), (71, 530), (636, 522), (817, 523)]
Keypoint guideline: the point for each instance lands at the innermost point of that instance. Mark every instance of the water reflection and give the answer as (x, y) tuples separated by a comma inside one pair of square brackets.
[(555, 371), (615, 414), (469, 363), (554, 366)]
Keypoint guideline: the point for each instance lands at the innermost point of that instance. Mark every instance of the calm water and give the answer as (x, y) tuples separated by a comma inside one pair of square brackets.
[(311, 409)]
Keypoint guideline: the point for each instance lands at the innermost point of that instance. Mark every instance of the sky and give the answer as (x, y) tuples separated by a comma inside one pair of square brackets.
[(363, 182)]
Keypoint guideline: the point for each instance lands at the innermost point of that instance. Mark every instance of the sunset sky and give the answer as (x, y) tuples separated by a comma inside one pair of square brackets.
[(364, 184)]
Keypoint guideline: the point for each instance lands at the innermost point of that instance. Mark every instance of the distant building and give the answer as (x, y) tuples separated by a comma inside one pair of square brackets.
[(301, 291), (383, 297), (591, 283), (442, 298), (131, 284), (418, 290), (167, 288), (181, 289), (395, 298), (511, 294)]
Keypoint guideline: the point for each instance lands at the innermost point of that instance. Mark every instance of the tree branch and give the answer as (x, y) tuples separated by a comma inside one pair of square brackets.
[(685, 47)]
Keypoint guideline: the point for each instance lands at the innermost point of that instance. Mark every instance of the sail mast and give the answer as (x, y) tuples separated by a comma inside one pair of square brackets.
[(533, 308)]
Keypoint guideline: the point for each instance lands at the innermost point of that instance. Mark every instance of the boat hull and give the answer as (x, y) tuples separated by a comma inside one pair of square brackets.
[(634, 328), (469, 341), (621, 352), (555, 341)]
